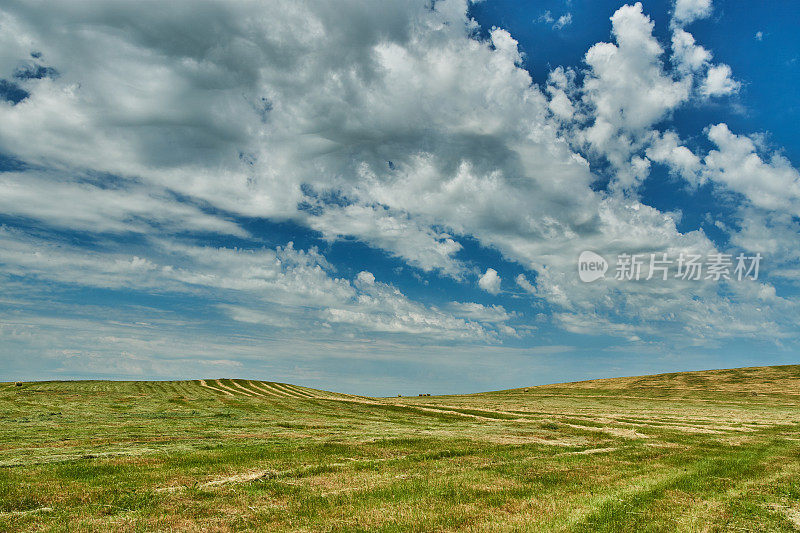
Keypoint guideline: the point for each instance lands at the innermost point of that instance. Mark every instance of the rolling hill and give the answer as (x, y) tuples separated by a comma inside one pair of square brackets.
[(712, 450)]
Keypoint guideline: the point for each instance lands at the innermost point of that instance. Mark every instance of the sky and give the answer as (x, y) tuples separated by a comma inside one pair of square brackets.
[(395, 197)]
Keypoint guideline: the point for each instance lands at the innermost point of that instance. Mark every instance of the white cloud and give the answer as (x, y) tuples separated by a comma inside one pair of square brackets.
[(393, 231), (278, 287), (563, 20), (628, 87), (687, 11), (490, 281), (688, 55), (481, 313), (692, 60), (555, 23), (774, 234), (365, 278), (118, 206), (389, 123), (526, 285), (771, 184), (546, 17), (627, 90), (665, 148), (379, 307), (718, 81)]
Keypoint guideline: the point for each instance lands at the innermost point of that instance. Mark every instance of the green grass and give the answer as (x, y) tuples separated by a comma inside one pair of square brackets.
[(709, 451)]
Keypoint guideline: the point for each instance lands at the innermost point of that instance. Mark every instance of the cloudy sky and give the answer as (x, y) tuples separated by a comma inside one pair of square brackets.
[(391, 197)]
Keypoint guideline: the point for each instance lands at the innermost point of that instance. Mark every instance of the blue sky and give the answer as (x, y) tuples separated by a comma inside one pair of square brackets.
[(393, 199)]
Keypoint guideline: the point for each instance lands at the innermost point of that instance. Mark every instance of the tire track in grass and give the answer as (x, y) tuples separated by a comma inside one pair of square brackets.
[(271, 386), (298, 390), (622, 510), (246, 390), (293, 393), (284, 390), (350, 463), (268, 392), (27, 512), (337, 395), (266, 387), (206, 385), (231, 389), (318, 394), (248, 386)]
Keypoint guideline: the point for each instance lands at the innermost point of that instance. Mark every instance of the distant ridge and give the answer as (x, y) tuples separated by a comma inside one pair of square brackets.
[(784, 379), (780, 379)]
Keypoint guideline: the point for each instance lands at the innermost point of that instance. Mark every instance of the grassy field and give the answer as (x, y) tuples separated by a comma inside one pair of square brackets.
[(699, 451)]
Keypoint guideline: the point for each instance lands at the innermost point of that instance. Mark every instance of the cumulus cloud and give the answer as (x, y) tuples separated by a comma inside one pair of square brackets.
[(772, 184), (628, 87), (666, 148), (687, 11), (694, 61), (490, 281), (394, 125), (479, 134), (627, 91), (688, 55), (631, 85), (718, 81)]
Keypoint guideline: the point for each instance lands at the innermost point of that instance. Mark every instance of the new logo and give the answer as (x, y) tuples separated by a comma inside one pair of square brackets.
[(591, 266)]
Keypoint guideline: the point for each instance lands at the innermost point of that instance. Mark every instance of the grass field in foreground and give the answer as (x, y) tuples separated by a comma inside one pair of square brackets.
[(697, 451)]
